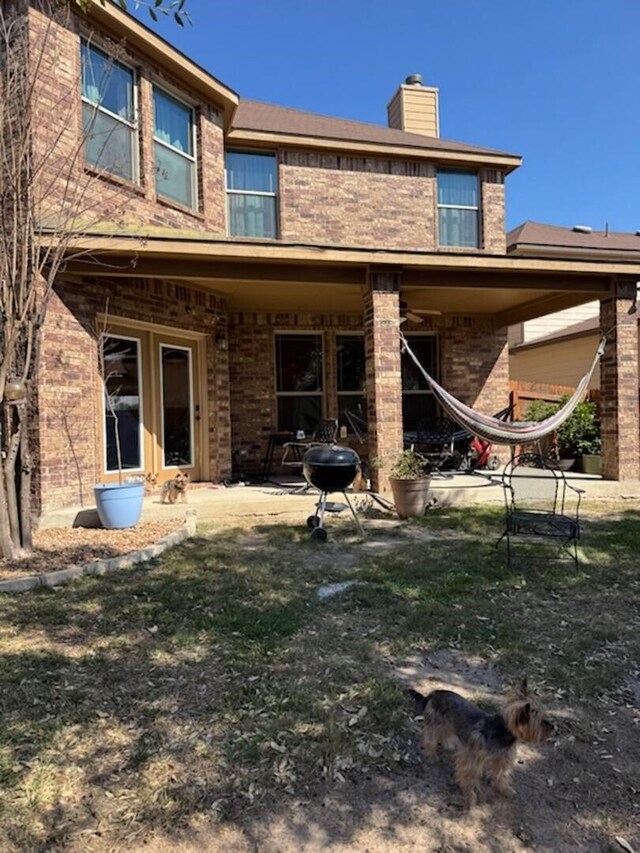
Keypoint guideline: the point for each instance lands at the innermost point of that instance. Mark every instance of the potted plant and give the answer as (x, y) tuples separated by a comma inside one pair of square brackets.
[(119, 505), (577, 438), (409, 479), (580, 435)]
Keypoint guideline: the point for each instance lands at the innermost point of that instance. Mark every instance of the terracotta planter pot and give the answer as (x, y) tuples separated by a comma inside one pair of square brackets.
[(592, 463), (411, 497)]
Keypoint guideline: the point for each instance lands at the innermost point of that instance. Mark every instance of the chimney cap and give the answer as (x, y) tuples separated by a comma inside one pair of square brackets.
[(414, 80)]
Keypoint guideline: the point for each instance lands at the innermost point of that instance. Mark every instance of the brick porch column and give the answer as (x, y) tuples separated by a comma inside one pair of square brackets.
[(384, 384), (619, 386)]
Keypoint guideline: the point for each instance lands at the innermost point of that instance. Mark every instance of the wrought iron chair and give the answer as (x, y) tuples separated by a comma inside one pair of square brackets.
[(540, 504), (435, 440), (326, 432)]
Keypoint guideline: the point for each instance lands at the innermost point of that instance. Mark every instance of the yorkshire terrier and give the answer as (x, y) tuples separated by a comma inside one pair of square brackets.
[(484, 744), (175, 489)]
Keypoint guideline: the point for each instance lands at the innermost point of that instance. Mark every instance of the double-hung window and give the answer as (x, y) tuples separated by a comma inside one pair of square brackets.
[(174, 144), (252, 192), (418, 401), (299, 381), (350, 377), (458, 209), (109, 114)]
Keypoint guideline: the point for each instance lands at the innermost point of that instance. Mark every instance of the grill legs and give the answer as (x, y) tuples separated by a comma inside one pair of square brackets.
[(316, 522)]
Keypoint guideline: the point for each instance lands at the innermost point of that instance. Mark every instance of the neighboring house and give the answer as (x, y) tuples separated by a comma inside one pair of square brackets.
[(561, 358), (555, 349), (256, 278)]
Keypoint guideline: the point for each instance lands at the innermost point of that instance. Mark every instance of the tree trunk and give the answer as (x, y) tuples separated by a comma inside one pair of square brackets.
[(11, 491), (26, 467), (6, 545)]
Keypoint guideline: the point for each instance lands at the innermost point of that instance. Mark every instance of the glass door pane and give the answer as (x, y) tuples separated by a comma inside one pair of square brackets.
[(177, 406), (122, 402)]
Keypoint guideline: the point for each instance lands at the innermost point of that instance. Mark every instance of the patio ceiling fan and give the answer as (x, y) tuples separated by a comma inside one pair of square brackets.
[(415, 315)]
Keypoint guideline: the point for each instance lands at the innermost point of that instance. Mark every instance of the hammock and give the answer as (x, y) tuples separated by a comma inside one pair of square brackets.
[(493, 429)]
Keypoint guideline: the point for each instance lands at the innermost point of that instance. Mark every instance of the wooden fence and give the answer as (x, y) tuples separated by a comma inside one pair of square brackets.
[(523, 393)]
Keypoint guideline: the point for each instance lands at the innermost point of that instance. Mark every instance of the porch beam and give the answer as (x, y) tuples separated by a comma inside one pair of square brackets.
[(137, 246), (206, 271)]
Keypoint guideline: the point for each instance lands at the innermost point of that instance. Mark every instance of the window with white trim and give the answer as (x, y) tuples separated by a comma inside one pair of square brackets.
[(458, 209), (109, 114), (350, 379), (418, 401), (174, 148), (299, 381), (252, 193)]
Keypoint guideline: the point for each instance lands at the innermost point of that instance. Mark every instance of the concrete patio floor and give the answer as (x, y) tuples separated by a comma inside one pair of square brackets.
[(211, 502)]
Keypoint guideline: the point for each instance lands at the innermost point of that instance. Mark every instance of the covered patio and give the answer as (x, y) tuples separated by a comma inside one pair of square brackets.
[(247, 302)]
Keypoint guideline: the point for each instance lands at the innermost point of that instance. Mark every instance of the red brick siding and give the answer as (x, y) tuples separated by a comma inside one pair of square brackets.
[(347, 201), (494, 239), (69, 381), (620, 424)]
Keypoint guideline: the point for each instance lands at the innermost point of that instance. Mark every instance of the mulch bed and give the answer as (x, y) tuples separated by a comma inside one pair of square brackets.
[(61, 547)]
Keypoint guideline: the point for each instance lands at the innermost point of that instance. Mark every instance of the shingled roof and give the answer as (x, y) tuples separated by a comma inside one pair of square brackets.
[(269, 118), (535, 236)]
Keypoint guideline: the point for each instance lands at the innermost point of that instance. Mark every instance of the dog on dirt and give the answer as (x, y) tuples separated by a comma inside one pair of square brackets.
[(484, 744), (175, 489)]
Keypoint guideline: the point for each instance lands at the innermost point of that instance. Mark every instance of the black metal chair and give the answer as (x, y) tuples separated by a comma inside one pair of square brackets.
[(540, 504), (435, 441), (326, 432)]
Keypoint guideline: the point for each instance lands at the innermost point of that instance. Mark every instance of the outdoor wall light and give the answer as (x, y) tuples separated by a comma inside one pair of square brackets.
[(221, 341), (633, 308), (15, 391)]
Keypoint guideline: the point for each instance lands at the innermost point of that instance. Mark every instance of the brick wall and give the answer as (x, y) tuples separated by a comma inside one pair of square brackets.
[(494, 238), (70, 384), (327, 198), (474, 362), (373, 202)]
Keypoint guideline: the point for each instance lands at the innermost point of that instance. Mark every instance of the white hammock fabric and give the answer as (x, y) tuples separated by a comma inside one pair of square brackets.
[(493, 429)]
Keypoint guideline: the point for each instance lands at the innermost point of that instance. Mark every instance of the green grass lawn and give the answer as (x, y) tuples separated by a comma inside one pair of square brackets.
[(214, 680)]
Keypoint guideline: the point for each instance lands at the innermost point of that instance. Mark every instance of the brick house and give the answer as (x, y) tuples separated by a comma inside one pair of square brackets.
[(260, 262)]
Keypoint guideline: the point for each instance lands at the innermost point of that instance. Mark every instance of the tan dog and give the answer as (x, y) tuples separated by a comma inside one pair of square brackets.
[(484, 744), (175, 489), (150, 484)]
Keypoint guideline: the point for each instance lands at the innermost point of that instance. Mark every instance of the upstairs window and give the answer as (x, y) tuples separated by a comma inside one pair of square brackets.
[(109, 114), (252, 188), (458, 209), (173, 134)]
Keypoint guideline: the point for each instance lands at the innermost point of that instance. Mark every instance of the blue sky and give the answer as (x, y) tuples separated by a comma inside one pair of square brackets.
[(557, 81)]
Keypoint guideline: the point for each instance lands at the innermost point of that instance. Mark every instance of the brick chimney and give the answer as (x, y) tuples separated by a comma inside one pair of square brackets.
[(414, 108)]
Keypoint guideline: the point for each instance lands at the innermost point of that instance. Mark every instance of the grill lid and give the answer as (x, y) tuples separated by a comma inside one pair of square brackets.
[(332, 456)]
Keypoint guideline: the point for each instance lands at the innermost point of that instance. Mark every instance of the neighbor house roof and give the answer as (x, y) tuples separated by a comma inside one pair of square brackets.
[(261, 118), (535, 238)]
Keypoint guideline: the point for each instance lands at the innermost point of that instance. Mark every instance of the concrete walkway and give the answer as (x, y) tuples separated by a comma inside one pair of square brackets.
[(212, 502)]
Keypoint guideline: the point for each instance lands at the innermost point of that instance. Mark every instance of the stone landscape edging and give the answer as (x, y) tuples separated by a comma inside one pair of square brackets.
[(103, 567)]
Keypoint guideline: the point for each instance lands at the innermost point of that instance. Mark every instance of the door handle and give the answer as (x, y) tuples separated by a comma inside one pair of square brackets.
[(197, 409)]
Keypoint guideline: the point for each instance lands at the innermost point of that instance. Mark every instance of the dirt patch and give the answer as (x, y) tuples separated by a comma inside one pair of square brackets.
[(61, 547)]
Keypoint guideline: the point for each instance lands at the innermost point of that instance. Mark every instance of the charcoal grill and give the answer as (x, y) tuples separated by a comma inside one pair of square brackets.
[(330, 468)]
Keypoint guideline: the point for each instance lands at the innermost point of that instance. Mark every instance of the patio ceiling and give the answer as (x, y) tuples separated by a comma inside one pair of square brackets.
[(288, 278)]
